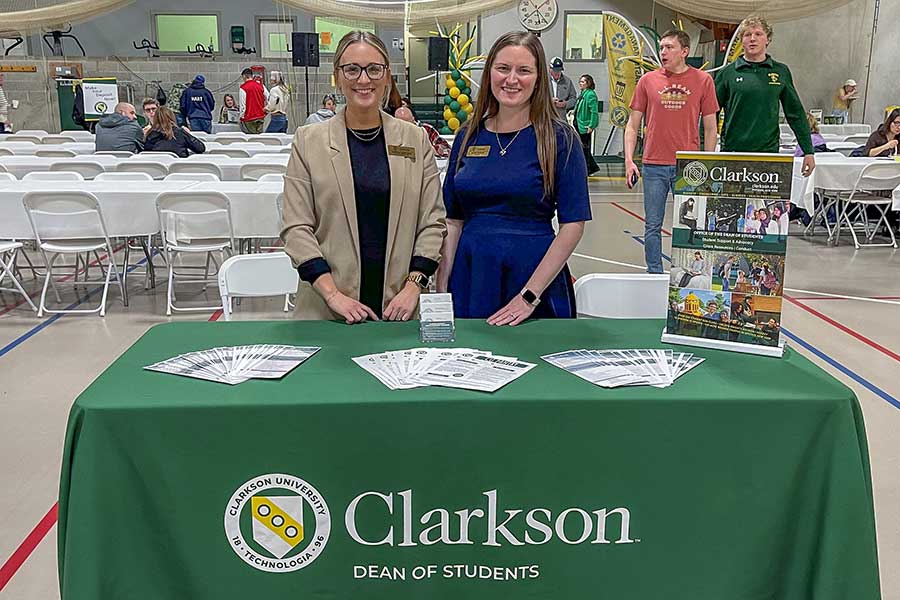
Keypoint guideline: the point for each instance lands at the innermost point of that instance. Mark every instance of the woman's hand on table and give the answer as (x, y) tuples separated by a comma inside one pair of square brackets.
[(352, 311), (403, 305), (513, 313)]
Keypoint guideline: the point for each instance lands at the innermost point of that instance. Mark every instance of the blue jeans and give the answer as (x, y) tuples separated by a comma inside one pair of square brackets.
[(201, 125), (659, 180), (277, 124)]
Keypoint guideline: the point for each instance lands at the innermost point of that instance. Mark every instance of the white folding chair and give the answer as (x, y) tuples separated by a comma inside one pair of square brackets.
[(872, 188), (4, 176), (152, 153), (118, 153), (859, 139), (56, 153), (89, 169), (123, 176), (257, 275), (253, 171), (70, 223), (232, 152), (271, 178), (285, 150), (230, 139), (21, 137), (58, 139), (6, 152), (191, 177), (39, 133), (153, 169), (193, 223), (80, 135), (53, 176), (8, 250), (622, 295), (265, 139), (197, 166)]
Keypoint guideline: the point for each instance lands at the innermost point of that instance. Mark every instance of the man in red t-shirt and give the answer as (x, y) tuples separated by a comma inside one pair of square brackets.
[(672, 99), (252, 103)]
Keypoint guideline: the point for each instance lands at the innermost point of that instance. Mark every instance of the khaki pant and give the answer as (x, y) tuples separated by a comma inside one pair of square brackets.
[(252, 126)]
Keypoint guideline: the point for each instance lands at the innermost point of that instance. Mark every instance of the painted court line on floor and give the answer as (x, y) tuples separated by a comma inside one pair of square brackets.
[(606, 260), (21, 554), (830, 296)]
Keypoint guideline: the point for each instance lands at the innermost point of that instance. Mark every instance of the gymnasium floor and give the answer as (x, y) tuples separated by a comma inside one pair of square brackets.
[(842, 312)]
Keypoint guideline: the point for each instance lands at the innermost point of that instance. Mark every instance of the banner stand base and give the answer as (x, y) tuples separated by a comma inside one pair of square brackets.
[(685, 340)]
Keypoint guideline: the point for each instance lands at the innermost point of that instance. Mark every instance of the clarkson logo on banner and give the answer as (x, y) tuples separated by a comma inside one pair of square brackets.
[(621, 42)]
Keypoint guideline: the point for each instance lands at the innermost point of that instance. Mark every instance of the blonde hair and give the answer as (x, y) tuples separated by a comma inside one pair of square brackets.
[(164, 122), (756, 21), (373, 40), (279, 80), (542, 113), (813, 123)]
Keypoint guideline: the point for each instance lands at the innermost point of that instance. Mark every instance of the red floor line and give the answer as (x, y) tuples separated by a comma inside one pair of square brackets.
[(93, 263), (215, 316), (25, 549), (637, 216), (871, 343)]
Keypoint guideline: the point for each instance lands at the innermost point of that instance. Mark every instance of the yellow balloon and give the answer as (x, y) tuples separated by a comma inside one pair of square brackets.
[(454, 92), (448, 114), (469, 108), (463, 100), (453, 123), (451, 83)]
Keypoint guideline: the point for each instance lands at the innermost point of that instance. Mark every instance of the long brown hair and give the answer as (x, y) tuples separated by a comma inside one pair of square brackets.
[(164, 122), (373, 40), (542, 113), (892, 116)]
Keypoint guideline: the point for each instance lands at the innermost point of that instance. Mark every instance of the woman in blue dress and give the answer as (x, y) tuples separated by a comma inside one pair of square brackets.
[(513, 166)]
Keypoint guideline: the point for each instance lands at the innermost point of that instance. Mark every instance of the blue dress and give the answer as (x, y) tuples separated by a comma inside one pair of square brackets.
[(507, 220)]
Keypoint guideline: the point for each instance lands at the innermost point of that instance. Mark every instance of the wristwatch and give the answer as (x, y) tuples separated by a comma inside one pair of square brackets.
[(419, 279), (530, 297)]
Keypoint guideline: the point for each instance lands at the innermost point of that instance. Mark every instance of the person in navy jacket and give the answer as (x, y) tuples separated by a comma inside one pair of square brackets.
[(197, 105)]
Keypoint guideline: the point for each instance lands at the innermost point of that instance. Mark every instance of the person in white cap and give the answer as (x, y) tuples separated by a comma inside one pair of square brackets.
[(561, 89), (843, 97)]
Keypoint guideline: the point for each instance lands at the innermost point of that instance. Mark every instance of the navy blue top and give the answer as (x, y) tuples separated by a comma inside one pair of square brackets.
[(513, 185)]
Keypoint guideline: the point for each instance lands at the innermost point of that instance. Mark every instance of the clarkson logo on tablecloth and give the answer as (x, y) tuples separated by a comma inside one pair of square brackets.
[(277, 523), (280, 523)]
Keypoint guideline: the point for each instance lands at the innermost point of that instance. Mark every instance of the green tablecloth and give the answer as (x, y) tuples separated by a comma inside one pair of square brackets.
[(748, 479)]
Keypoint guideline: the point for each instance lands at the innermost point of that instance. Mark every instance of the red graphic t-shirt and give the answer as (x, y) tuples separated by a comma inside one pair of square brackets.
[(672, 106)]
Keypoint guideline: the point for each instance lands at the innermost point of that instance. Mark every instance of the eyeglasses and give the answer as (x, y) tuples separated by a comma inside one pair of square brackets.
[(374, 71)]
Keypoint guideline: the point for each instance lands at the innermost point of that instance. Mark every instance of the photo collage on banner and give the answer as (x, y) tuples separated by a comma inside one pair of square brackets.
[(729, 241)]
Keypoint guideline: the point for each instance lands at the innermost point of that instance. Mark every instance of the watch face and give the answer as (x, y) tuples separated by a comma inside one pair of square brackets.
[(537, 15)]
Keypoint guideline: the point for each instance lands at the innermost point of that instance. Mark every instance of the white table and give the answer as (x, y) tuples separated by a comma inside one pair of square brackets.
[(252, 148), (845, 130), (22, 164), (29, 148), (833, 172), (231, 167)]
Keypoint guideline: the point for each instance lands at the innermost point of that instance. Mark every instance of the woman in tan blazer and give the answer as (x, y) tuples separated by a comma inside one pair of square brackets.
[(363, 213)]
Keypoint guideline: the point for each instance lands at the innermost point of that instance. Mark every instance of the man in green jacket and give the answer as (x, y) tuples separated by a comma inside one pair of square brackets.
[(751, 90)]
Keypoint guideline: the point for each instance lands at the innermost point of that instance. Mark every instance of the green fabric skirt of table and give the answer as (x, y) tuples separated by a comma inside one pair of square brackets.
[(748, 479)]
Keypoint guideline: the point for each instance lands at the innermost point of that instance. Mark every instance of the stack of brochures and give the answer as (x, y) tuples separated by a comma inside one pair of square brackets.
[(448, 367), (436, 318), (236, 364), (614, 368)]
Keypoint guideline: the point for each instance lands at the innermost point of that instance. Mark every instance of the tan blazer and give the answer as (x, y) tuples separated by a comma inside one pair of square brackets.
[(320, 208)]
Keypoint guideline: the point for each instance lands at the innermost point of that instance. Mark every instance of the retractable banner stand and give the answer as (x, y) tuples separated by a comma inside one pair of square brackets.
[(729, 241)]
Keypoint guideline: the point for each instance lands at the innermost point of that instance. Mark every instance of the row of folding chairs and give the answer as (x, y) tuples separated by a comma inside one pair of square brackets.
[(192, 224), (87, 169)]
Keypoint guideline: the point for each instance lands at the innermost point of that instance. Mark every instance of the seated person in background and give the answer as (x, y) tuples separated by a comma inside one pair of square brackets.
[(149, 105), (883, 141), (326, 112), (440, 145), (166, 136), (230, 112), (120, 131), (818, 141)]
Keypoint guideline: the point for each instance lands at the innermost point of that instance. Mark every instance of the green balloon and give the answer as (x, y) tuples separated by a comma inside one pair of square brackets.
[(446, 131), (467, 92), (462, 116), (454, 106), (448, 99), (454, 74), (441, 124), (461, 83)]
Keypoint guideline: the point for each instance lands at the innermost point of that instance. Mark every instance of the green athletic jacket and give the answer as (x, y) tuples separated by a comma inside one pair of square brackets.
[(751, 93), (586, 108)]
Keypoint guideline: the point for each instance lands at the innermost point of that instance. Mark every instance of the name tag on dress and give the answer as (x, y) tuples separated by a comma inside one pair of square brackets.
[(478, 151), (404, 151)]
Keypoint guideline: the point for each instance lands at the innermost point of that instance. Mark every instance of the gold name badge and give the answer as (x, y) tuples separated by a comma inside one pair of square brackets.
[(404, 151), (478, 151)]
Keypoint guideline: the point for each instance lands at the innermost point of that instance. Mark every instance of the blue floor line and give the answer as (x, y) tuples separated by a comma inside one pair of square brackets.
[(50, 320), (640, 241), (834, 363)]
